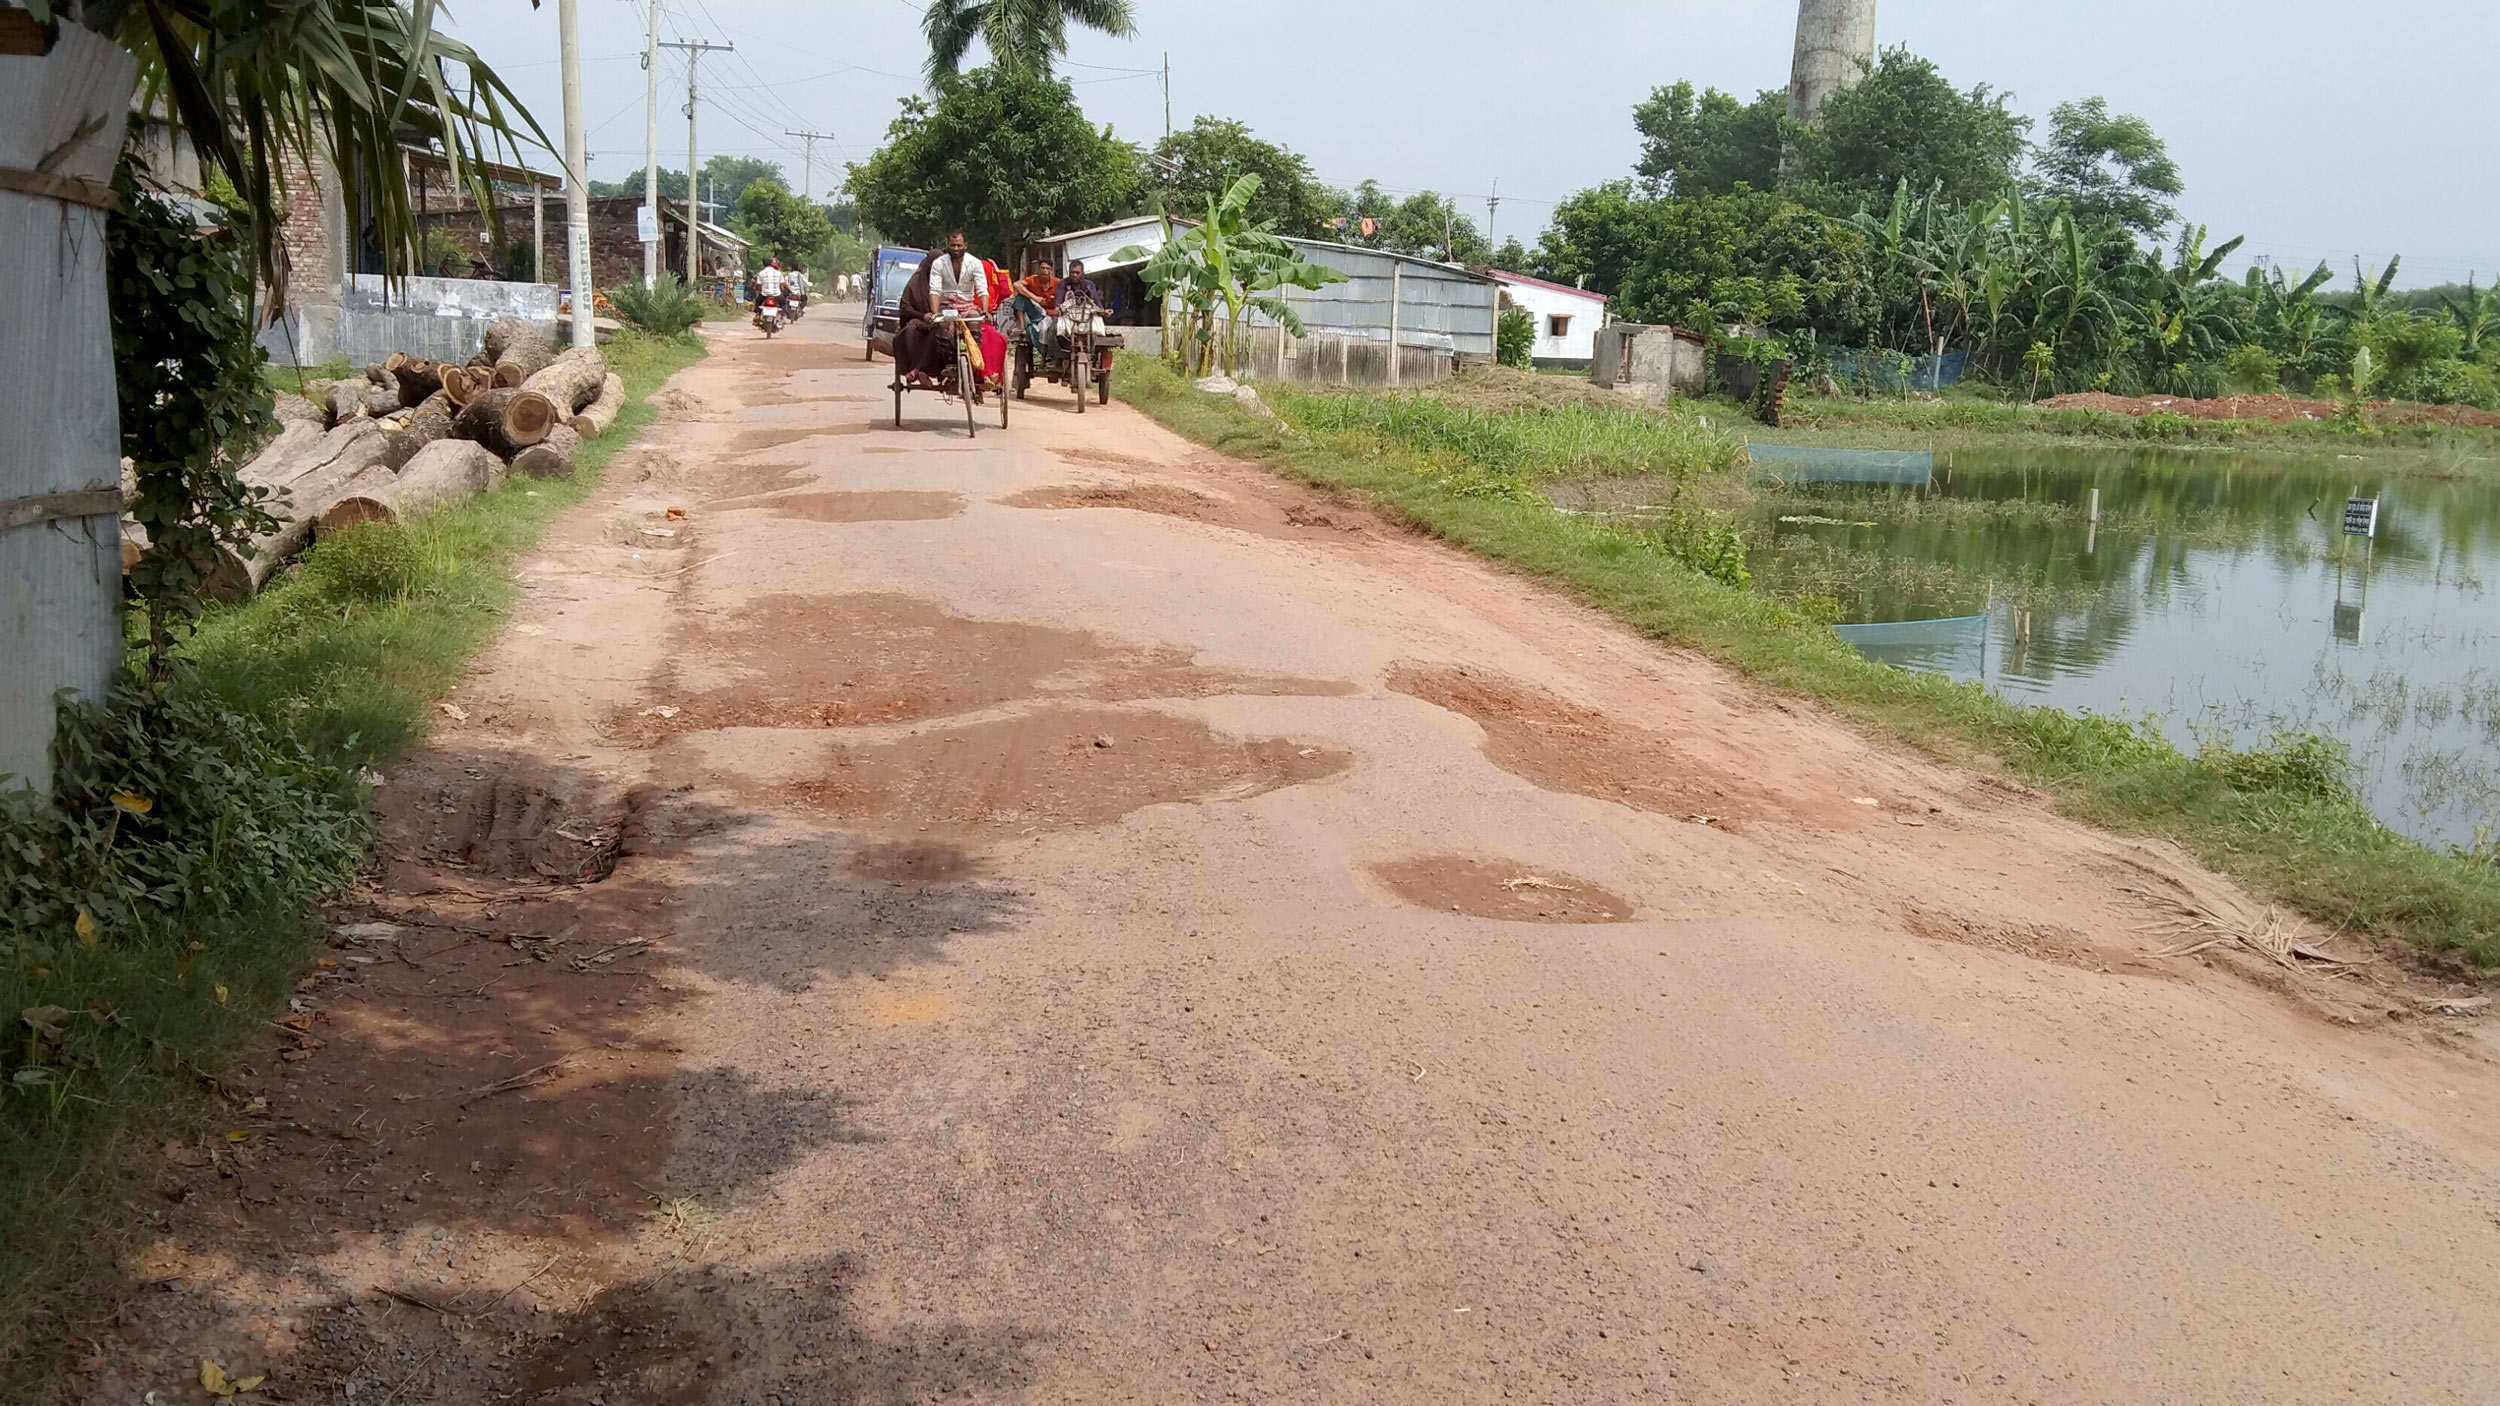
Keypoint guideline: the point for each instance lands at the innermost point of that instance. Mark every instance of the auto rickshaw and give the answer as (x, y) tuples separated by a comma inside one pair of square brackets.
[(1079, 355)]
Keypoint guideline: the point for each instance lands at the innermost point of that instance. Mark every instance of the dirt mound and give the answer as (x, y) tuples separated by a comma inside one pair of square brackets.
[(1052, 769), (2273, 409), (1482, 887)]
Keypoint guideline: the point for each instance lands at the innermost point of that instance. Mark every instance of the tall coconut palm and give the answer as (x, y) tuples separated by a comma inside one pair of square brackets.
[(256, 86), (1027, 34)]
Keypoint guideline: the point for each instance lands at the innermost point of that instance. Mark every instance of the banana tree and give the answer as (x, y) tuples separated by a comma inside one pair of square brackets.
[(2477, 315), (1227, 265)]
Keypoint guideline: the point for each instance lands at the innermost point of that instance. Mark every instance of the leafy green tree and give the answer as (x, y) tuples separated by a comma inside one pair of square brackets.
[(2476, 314), (1710, 144), (672, 185), (1707, 262), (1426, 224), (2106, 166), (1514, 257), (781, 225), (725, 178), (1003, 155), (1026, 35), (1212, 153), (1905, 122)]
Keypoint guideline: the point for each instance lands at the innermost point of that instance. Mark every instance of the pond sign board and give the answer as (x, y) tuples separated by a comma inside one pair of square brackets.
[(2361, 517)]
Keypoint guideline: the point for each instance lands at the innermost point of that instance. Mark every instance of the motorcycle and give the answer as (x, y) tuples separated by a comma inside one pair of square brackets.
[(798, 307), (768, 316)]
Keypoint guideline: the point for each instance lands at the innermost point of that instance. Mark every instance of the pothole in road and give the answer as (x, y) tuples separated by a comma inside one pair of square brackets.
[(1051, 769), (1105, 457), (900, 505), (755, 480), (849, 661), (916, 862), (1296, 521), (1479, 886), (1562, 746)]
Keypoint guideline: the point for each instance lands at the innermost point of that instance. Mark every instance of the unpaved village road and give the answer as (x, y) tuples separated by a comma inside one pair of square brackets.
[(1073, 919)]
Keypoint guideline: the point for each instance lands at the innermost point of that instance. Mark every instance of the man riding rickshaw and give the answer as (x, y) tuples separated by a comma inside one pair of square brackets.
[(943, 338)]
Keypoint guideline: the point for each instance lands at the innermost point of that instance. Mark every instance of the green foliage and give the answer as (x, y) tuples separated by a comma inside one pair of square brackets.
[(726, 178), (1025, 35), (1705, 262), (838, 253), (1426, 224), (1227, 264), (1207, 157), (193, 404), (664, 309), (1904, 123), (2106, 168), (441, 254), (2296, 763), (672, 184), (370, 563), (2405, 348), (781, 225), (1710, 144), (1002, 155), (2252, 370), (1514, 337)]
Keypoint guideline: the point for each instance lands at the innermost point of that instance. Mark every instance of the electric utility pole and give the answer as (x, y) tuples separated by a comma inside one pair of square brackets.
[(576, 169), (1492, 209), (807, 163), (651, 148), (695, 50), (1167, 95)]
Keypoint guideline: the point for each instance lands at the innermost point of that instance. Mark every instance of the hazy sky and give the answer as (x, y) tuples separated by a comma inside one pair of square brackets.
[(2318, 130)]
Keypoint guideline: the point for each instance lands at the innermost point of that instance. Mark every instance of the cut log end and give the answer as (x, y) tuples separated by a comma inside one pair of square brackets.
[(552, 457), (528, 418)]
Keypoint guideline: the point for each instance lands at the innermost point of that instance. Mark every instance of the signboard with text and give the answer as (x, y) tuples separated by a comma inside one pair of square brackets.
[(646, 224), (2361, 517)]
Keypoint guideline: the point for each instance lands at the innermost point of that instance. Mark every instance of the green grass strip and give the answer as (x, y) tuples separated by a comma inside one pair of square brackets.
[(346, 653), (2280, 819)]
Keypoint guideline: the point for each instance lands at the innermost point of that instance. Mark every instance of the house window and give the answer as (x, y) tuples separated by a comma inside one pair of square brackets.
[(1558, 325)]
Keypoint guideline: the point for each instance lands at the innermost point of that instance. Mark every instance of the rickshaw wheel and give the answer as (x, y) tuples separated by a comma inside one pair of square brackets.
[(967, 386), (1080, 365), (1102, 388), (898, 397)]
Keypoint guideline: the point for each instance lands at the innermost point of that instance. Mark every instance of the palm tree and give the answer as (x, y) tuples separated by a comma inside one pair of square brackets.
[(256, 86), (1026, 34)]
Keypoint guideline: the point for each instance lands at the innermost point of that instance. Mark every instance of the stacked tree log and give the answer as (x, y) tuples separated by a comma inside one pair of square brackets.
[(410, 435)]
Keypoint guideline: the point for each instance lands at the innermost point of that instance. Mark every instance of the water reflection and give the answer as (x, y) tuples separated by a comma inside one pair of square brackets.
[(2217, 596)]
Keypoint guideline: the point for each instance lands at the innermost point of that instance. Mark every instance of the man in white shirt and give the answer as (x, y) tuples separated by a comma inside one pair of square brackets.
[(767, 282), (956, 277)]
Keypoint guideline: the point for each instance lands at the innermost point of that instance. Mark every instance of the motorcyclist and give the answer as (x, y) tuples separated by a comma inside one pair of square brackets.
[(796, 284), (768, 283)]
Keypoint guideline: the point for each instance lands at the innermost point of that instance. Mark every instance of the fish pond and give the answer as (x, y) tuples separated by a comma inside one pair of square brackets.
[(2219, 596)]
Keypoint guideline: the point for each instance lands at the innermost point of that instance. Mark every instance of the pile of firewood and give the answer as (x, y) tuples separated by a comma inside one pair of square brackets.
[(411, 435)]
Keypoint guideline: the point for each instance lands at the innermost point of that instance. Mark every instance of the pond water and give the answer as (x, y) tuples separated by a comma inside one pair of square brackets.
[(2219, 596)]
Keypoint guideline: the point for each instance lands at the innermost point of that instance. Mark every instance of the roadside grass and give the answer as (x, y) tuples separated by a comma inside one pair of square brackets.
[(2280, 819), (280, 706)]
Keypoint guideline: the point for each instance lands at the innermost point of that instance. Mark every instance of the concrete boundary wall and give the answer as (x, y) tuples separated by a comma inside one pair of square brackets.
[(440, 319)]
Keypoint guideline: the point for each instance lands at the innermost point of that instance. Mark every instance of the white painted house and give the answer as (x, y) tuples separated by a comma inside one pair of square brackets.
[(1567, 318)]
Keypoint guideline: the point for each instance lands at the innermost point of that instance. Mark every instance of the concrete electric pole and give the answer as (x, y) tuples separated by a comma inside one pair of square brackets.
[(1835, 44), (807, 163), (695, 51), (576, 172), (651, 148)]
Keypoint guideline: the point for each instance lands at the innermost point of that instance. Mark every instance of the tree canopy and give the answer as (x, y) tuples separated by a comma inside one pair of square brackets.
[(2106, 166), (1904, 122), (1026, 35), (1710, 143), (1003, 155), (1426, 224), (1213, 152), (782, 225)]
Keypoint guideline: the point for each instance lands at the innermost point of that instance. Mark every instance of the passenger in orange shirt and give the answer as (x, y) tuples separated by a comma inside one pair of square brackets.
[(1037, 297)]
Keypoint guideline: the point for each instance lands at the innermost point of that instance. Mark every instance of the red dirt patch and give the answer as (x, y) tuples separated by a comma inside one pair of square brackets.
[(1298, 519), (892, 506), (849, 661), (1562, 746), (1052, 769), (2274, 409), (755, 480), (1482, 887)]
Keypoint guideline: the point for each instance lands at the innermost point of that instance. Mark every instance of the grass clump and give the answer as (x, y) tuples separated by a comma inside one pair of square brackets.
[(2280, 817), (159, 911), (664, 309)]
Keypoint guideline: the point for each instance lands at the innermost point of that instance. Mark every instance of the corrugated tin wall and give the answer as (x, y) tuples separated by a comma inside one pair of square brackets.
[(1437, 305)]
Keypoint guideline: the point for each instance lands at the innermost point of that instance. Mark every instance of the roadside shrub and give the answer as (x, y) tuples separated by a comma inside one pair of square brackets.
[(664, 309), (370, 562), (2297, 763), (2252, 370), (1514, 338), (1702, 541), (2163, 424)]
